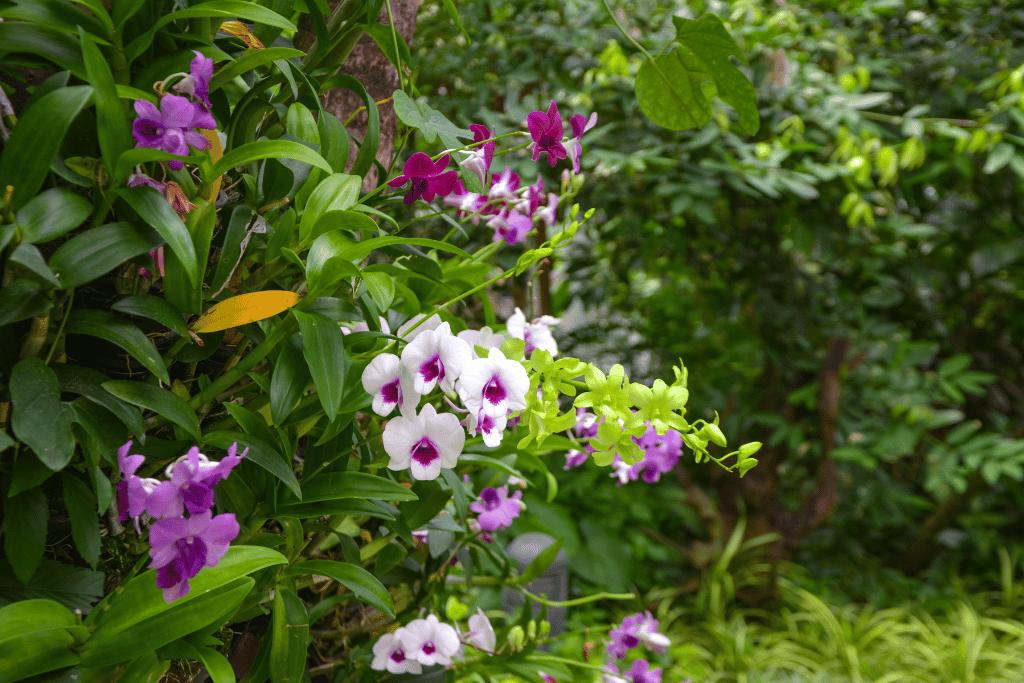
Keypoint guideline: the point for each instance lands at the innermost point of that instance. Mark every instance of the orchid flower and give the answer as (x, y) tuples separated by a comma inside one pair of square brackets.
[(435, 358), (427, 178), (390, 386), (181, 547), (495, 509), (430, 641), (389, 654), (494, 384), (573, 146), (172, 127), (424, 443), (547, 131)]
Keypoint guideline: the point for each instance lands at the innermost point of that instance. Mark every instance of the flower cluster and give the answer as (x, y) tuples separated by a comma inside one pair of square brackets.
[(509, 208), (185, 536), (175, 125), (426, 642), (632, 632), (661, 452), (469, 366)]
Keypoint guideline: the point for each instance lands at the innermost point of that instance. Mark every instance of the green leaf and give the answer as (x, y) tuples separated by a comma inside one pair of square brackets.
[(334, 141), (385, 36), (88, 382), (137, 618), (97, 251), (433, 124), (116, 330), (157, 212), (25, 518), (229, 9), (28, 256), (37, 636), (998, 157), (111, 122), (268, 149), (381, 287), (260, 453), (323, 346), (133, 157), (55, 14), (85, 523), (453, 14), (20, 300), (288, 383), (326, 263), (539, 565), (368, 149), (40, 420), (252, 423), (954, 365), (290, 631), (42, 126), (337, 192), (249, 60), (160, 401), (51, 214), (154, 308), (56, 46), (232, 247), (361, 582), (353, 485)]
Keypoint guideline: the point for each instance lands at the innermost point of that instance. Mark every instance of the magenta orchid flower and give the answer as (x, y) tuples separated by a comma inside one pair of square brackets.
[(181, 547), (479, 157), (427, 178), (504, 186), (197, 82), (510, 226), (574, 146), (132, 491), (193, 477), (466, 203), (172, 127), (424, 443), (640, 673), (495, 509), (547, 131)]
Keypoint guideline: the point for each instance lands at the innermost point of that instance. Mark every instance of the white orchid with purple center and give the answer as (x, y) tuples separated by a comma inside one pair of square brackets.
[(389, 654), (481, 634), (390, 385), (430, 642), (424, 443), (495, 385), (536, 335), (435, 358)]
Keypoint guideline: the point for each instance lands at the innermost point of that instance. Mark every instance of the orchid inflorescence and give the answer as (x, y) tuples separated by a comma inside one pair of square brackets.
[(181, 544)]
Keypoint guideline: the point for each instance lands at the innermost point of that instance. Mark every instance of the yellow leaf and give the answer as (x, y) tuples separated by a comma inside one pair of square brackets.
[(244, 309), (216, 152), (240, 30)]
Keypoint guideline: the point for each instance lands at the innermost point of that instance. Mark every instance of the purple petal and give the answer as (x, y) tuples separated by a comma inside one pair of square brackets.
[(202, 118), (197, 140), (147, 110), (178, 111), (399, 181), (537, 123), (444, 184), (419, 165), (441, 164), (555, 120), (174, 142), (147, 132)]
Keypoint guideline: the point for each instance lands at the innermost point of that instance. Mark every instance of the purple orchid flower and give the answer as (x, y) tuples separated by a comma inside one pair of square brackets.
[(182, 547), (495, 509), (193, 477), (639, 673), (132, 491), (510, 226), (574, 147), (504, 186), (172, 127), (479, 157), (466, 203), (547, 131), (428, 178), (197, 82)]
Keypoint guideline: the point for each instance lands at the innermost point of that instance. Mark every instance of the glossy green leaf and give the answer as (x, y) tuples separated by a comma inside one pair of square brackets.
[(51, 214), (231, 250), (160, 401), (252, 423), (323, 346), (229, 9), (56, 46), (34, 142), (205, 605), (85, 523), (97, 251), (368, 148), (288, 383), (116, 330), (339, 506), (178, 287), (141, 604), (269, 149), (326, 262), (62, 16), (250, 60), (22, 299), (386, 37), (112, 124), (154, 308), (39, 419), (89, 383), (73, 587), (361, 582), (157, 212), (381, 287), (37, 636), (260, 453), (334, 141), (353, 485), (28, 256), (25, 519), (336, 193), (133, 157), (290, 631)]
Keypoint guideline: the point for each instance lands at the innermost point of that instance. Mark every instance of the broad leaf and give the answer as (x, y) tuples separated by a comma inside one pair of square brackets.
[(269, 149), (323, 345), (290, 631), (288, 383), (116, 330), (157, 212), (24, 530), (260, 453), (73, 587), (97, 251), (361, 582), (40, 420), (85, 523), (160, 401), (52, 213), (155, 308)]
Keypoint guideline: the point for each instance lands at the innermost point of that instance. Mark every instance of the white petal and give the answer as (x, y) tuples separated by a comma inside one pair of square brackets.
[(382, 370), (400, 435)]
